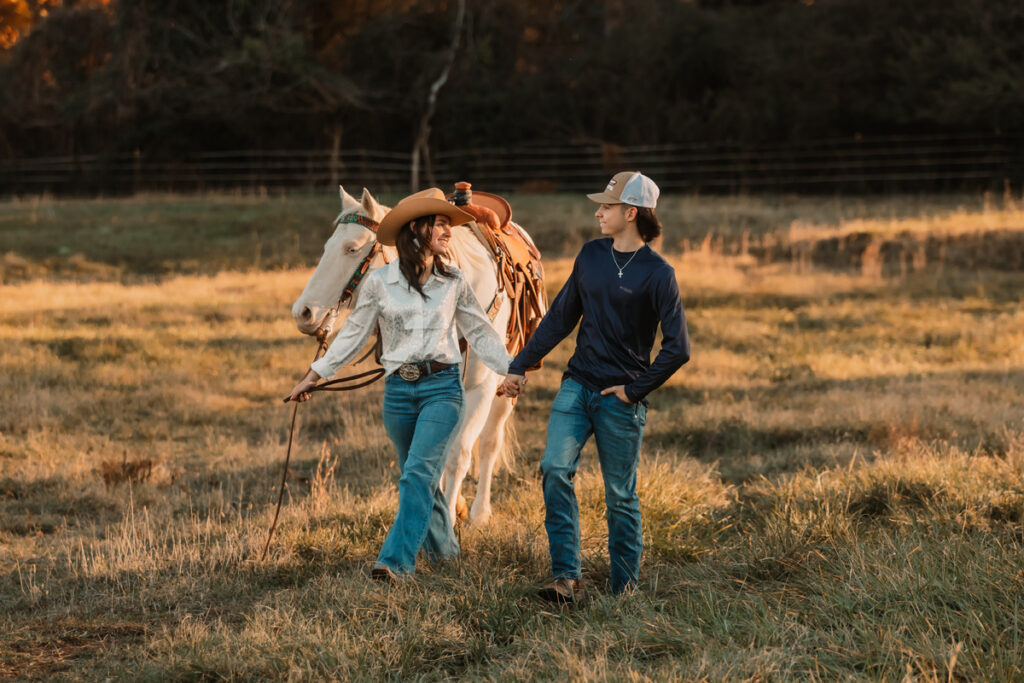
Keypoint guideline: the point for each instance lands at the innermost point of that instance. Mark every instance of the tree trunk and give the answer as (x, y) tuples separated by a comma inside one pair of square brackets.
[(421, 145), (428, 164), (614, 11), (335, 162), (414, 176)]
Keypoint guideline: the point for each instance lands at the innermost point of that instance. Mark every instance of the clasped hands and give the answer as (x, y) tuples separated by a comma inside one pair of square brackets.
[(514, 385)]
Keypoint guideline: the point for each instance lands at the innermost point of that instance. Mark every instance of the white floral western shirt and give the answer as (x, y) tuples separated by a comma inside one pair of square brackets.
[(414, 329)]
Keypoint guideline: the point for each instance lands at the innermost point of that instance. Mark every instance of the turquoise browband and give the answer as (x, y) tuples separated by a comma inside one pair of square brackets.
[(368, 223)]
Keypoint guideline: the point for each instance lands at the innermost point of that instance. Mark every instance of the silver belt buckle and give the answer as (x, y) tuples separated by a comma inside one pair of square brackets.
[(409, 372)]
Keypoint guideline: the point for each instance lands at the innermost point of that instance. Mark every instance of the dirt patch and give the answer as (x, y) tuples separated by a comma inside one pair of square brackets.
[(44, 648), (137, 470)]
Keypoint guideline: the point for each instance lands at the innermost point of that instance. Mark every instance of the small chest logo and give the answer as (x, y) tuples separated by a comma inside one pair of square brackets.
[(626, 289)]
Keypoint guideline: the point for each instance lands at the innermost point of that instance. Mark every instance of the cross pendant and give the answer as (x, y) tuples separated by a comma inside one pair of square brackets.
[(620, 274)]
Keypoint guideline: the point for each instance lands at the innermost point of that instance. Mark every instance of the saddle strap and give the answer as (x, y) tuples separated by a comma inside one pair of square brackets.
[(519, 276)]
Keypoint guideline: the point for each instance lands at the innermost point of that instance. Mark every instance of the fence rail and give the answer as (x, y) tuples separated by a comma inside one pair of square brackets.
[(867, 164)]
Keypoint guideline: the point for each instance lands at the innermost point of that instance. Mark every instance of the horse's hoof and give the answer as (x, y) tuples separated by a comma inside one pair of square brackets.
[(461, 509), (480, 518)]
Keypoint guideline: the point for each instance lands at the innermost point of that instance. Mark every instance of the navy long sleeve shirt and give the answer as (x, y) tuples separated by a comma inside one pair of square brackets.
[(620, 317)]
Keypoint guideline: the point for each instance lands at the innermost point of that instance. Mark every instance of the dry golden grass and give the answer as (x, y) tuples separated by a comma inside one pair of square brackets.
[(831, 489), (1008, 216)]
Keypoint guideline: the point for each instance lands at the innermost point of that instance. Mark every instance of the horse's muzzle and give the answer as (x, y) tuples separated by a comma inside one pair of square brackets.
[(312, 319)]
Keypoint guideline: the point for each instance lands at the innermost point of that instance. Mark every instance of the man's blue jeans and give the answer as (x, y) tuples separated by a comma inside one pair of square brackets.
[(421, 419), (618, 428)]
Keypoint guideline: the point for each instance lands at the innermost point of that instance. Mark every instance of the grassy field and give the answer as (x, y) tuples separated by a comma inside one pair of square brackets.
[(832, 488)]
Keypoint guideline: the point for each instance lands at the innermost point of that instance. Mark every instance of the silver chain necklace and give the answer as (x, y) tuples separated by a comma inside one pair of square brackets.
[(616, 261)]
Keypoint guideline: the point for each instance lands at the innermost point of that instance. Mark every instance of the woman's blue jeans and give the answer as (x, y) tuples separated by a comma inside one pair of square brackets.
[(421, 419), (618, 427)]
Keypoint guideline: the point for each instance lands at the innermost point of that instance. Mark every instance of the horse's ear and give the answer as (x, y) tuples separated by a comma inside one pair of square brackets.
[(347, 200), (372, 206)]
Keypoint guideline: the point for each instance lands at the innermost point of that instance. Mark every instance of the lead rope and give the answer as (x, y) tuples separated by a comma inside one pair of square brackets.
[(321, 347), (374, 375)]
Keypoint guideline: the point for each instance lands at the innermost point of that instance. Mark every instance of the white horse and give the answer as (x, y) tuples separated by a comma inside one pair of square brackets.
[(486, 414)]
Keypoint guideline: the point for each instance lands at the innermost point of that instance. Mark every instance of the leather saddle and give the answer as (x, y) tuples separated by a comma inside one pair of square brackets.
[(517, 263)]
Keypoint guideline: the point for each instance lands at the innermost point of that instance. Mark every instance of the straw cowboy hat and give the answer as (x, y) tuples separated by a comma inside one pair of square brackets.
[(426, 203)]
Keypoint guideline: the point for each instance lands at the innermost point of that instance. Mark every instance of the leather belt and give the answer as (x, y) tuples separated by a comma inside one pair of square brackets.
[(413, 372)]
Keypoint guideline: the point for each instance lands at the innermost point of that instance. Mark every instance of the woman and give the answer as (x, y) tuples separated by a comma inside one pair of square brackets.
[(417, 300)]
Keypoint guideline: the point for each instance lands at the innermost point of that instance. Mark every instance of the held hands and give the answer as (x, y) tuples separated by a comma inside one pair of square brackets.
[(512, 386), (620, 393)]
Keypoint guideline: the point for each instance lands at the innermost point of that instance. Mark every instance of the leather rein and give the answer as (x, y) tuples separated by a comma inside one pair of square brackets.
[(342, 383)]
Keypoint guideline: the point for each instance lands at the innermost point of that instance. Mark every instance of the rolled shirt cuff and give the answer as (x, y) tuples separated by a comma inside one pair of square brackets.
[(322, 368), (516, 369)]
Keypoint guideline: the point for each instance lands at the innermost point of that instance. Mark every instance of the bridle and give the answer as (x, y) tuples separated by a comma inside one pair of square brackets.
[(364, 266), (346, 297), (340, 384)]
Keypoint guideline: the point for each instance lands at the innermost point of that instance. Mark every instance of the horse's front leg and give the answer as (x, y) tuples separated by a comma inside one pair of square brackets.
[(492, 440), (479, 395)]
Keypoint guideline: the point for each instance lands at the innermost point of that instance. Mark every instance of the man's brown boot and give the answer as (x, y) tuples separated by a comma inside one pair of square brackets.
[(562, 591)]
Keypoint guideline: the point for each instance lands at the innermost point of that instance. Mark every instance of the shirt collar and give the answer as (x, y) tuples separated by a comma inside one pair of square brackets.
[(392, 273)]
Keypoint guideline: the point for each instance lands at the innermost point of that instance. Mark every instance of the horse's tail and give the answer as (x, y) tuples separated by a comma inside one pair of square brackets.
[(505, 458), (509, 445)]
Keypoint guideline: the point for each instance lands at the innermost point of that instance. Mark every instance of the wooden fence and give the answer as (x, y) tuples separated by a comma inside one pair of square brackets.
[(880, 164)]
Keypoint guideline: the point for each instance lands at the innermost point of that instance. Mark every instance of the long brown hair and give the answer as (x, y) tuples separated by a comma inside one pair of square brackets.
[(647, 223), (410, 242)]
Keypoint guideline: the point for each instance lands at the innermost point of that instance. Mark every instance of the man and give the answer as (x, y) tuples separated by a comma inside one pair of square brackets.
[(619, 291)]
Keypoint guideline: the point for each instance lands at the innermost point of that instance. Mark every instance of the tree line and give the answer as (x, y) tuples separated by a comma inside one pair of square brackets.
[(168, 77)]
